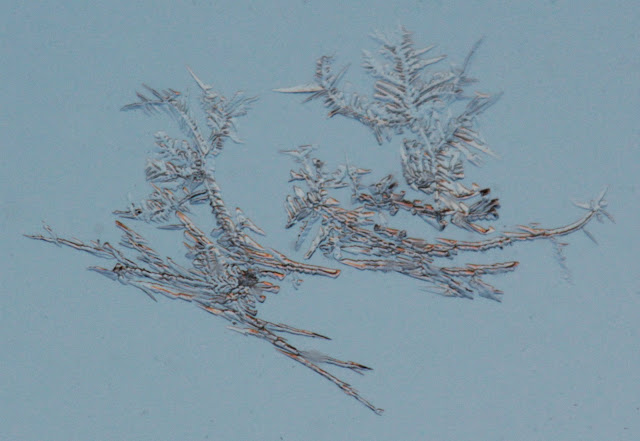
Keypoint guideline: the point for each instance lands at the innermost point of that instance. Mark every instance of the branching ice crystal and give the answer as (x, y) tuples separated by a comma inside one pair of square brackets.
[(435, 112), (229, 273)]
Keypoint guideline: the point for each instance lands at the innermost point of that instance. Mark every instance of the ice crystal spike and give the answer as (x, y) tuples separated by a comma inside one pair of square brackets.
[(230, 273), (438, 118)]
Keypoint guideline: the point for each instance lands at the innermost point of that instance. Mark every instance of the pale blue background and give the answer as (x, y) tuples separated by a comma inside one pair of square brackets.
[(83, 358)]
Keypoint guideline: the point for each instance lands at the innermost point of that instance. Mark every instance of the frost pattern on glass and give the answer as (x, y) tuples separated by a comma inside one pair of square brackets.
[(230, 273), (437, 115)]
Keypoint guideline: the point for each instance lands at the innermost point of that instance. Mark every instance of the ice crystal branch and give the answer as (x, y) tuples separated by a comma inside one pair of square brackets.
[(438, 118), (354, 232), (432, 109), (230, 273)]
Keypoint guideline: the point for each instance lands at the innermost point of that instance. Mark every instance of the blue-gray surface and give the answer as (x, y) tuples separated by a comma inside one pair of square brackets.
[(85, 358)]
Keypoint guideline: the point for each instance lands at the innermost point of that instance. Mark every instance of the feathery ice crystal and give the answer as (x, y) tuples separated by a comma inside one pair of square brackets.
[(230, 273), (437, 115)]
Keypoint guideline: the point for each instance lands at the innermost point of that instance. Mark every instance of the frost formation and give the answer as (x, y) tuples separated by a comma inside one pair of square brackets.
[(438, 118), (230, 273)]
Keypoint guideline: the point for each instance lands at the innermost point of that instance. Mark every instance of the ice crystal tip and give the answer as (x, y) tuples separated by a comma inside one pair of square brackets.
[(304, 88)]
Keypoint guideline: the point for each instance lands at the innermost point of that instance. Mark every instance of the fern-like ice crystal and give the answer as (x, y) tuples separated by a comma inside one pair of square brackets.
[(230, 273), (438, 118)]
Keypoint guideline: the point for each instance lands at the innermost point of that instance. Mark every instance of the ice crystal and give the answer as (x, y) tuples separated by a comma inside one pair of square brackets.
[(438, 117), (230, 273)]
